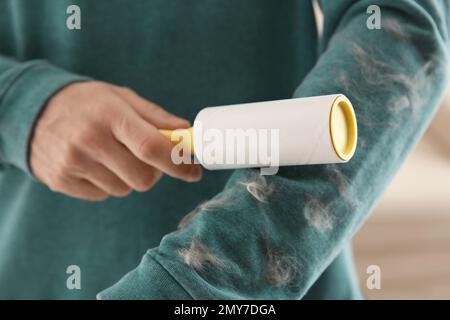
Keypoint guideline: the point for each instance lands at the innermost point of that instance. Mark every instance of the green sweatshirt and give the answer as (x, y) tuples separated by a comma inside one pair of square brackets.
[(280, 237)]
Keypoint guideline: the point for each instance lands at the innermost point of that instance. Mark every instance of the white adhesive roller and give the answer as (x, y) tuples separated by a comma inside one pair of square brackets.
[(313, 130)]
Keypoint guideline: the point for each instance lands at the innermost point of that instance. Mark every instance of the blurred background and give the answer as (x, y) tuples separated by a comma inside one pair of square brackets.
[(408, 234)]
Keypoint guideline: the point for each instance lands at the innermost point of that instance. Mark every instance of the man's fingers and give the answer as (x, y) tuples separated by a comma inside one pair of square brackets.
[(151, 112), (105, 180), (150, 146), (135, 173), (81, 189)]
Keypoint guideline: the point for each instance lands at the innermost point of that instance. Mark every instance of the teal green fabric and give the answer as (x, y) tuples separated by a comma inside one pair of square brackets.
[(185, 55)]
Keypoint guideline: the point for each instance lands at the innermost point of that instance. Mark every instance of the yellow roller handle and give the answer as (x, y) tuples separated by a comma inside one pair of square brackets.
[(184, 133)]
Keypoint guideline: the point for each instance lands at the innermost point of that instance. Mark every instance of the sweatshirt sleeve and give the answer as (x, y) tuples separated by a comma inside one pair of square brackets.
[(24, 89), (271, 237)]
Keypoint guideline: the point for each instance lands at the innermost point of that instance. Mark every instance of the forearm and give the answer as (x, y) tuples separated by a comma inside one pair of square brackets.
[(24, 89)]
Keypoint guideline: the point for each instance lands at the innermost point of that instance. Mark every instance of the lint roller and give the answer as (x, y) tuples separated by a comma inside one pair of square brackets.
[(303, 131)]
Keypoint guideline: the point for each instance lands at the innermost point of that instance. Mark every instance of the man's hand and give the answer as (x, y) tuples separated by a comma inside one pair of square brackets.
[(94, 140)]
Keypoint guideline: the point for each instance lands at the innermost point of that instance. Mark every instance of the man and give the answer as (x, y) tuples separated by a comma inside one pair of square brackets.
[(87, 183)]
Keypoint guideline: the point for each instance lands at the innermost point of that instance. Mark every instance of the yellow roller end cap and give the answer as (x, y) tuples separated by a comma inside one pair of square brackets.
[(343, 128)]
